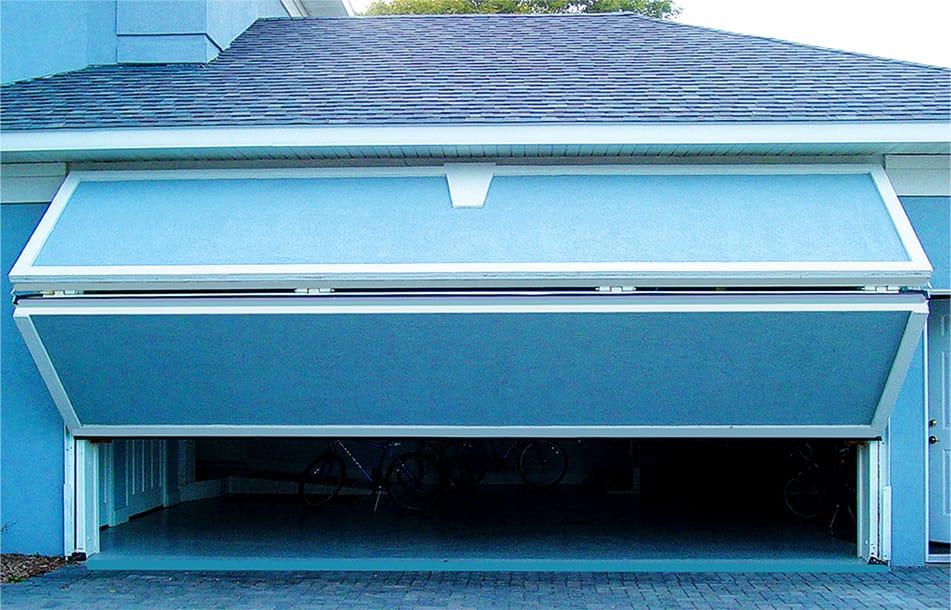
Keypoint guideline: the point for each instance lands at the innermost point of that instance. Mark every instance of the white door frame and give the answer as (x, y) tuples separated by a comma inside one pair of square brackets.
[(873, 503), (929, 556), (81, 497)]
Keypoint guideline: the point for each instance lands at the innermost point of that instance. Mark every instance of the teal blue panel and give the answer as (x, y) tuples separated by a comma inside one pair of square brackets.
[(475, 369), (696, 218), (931, 217)]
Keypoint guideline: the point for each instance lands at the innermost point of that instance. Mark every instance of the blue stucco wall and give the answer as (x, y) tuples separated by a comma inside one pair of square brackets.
[(51, 36), (931, 218), (156, 31), (226, 18), (907, 462), (41, 38), (31, 429)]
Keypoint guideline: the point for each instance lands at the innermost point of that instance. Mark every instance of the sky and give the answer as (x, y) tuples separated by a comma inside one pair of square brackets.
[(913, 30)]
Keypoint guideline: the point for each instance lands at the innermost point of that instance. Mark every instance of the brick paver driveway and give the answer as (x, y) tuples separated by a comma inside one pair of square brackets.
[(77, 587)]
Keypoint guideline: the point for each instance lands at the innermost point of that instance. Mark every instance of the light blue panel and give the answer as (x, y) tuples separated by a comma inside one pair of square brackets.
[(226, 18), (906, 441), (931, 217), (161, 16), (485, 369), (525, 219), (31, 429), (41, 38), (156, 31), (186, 48), (101, 27)]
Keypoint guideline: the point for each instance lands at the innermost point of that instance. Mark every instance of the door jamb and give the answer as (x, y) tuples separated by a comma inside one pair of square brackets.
[(929, 556), (81, 497)]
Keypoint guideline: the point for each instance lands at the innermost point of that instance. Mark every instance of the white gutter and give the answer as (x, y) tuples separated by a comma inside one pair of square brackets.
[(203, 138)]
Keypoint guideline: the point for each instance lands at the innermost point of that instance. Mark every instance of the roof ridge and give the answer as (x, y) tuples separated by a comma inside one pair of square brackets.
[(467, 16), (615, 15)]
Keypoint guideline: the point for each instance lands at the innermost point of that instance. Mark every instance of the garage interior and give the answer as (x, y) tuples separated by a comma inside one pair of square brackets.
[(623, 505)]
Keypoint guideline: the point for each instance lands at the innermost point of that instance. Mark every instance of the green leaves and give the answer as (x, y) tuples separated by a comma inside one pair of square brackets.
[(661, 9)]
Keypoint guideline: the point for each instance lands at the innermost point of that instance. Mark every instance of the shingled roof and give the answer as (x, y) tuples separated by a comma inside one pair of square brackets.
[(486, 69)]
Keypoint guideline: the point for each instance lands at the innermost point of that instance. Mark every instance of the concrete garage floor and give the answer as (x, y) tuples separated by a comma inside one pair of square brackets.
[(504, 528)]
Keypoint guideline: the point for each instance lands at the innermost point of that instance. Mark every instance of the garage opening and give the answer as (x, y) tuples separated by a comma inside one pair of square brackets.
[(599, 504), (733, 302)]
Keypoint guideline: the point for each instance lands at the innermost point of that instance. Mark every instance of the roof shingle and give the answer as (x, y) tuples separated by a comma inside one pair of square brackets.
[(485, 69)]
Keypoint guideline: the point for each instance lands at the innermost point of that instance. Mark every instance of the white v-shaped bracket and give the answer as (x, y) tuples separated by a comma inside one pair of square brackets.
[(469, 183)]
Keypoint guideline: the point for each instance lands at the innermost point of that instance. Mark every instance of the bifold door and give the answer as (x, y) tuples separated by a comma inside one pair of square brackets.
[(162, 303), (713, 365)]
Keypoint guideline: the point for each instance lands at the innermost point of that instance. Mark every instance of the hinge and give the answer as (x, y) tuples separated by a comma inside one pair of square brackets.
[(62, 293), (888, 289), (615, 289), (313, 290)]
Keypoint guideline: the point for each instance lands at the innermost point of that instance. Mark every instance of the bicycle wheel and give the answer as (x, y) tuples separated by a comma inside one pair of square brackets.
[(322, 479), (542, 463), (465, 463), (803, 495), (413, 480)]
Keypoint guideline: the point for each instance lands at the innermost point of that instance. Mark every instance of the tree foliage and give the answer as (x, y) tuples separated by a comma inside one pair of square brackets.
[(661, 9)]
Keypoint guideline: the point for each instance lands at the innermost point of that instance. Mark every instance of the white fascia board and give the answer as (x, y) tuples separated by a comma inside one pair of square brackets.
[(197, 139)]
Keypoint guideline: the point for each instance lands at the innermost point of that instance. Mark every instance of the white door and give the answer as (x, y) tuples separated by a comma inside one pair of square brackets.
[(939, 421), (138, 477)]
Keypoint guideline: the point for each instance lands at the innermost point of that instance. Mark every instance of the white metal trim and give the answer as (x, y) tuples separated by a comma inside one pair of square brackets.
[(87, 497), (909, 302), (885, 543), (906, 232), (896, 376), (913, 272), (925, 433), (417, 431), (184, 139), (24, 262), (69, 493), (46, 368), (861, 504), (81, 500), (875, 524)]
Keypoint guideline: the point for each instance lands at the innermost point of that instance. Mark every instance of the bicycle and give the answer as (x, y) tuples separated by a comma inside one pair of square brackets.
[(541, 463), (412, 479), (812, 490)]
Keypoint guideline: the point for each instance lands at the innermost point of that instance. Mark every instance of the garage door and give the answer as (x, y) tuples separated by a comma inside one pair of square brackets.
[(475, 301)]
